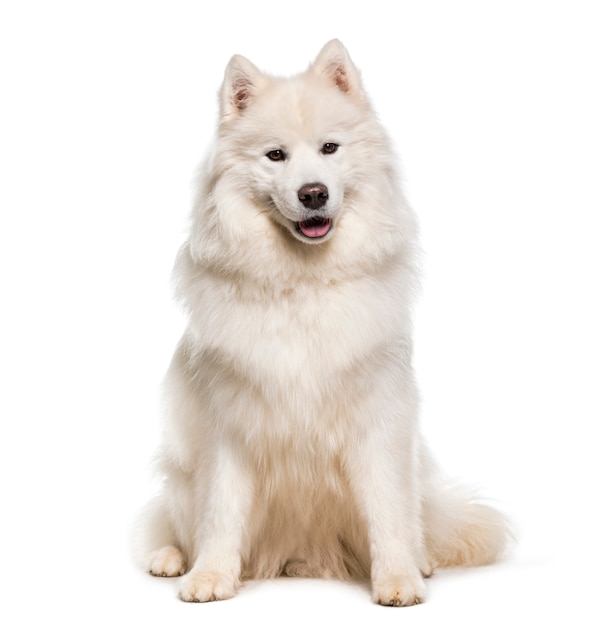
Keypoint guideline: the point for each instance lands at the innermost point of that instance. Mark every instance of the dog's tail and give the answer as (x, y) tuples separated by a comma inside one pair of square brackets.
[(460, 531)]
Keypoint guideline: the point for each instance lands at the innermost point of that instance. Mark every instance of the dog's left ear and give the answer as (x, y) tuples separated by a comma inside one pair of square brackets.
[(334, 62)]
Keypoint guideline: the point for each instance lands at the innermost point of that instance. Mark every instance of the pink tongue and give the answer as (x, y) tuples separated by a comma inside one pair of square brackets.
[(315, 229)]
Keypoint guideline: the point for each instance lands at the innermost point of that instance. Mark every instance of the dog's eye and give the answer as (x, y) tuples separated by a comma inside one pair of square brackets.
[(276, 155), (329, 148)]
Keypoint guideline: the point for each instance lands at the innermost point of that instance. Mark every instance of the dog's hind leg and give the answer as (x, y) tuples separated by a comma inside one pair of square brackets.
[(158, 551)]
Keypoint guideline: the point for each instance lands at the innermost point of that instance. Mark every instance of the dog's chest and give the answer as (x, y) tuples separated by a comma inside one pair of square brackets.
[(299, 335)]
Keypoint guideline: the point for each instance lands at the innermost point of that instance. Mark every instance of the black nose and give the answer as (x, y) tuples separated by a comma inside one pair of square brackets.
[(313, 196)]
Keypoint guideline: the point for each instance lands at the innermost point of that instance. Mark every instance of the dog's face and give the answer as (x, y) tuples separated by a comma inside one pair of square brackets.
[(303, 178), (304, 157), (295, 142)]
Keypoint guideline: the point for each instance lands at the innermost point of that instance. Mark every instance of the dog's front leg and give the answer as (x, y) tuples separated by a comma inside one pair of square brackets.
[(225, 497), (383, 473)]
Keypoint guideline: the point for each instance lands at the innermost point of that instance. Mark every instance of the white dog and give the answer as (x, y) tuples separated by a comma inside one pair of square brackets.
[(292, 444)]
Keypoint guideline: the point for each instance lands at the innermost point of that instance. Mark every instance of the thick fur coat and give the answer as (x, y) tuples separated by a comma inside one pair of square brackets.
[(292, 444)]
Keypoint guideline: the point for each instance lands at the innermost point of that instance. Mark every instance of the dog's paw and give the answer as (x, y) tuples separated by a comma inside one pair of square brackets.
[(398, 591), (200, 586), (168, 561), (427, 568), (300, 569)]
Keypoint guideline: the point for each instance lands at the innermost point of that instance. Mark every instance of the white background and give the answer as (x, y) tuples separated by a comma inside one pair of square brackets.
[(501, 114)]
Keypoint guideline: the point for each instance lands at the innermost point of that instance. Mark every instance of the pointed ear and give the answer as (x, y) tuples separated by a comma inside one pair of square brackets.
[(240, 86), (334, 63)]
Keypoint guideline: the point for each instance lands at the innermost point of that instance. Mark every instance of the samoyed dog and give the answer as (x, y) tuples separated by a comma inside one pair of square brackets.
[(292, 444)]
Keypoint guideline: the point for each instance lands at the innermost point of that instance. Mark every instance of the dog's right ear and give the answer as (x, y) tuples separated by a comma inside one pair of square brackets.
[(240, 87)]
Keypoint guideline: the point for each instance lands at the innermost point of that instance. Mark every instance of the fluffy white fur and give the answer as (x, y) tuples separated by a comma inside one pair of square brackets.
[(292, 444)]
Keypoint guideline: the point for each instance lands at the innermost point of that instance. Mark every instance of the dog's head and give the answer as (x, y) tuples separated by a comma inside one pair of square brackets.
[(296, 146)]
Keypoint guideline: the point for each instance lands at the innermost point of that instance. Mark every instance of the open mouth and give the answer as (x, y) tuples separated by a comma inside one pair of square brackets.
[(314, 228)]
